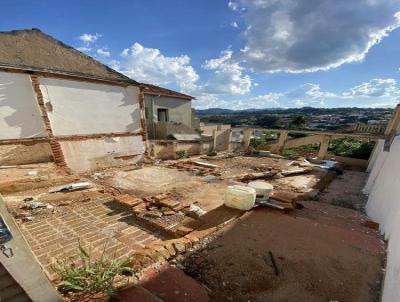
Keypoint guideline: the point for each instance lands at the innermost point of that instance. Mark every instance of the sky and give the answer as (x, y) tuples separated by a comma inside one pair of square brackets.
[(236, 54)]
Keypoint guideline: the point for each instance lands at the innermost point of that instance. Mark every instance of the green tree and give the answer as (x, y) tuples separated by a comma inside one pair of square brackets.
[(298, 121), (268, 121)]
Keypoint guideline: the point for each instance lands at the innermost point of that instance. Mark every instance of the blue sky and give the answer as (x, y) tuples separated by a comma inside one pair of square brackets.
[(236, 54)]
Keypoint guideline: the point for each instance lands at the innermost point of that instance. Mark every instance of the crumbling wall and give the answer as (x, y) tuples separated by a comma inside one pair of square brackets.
[(19, 112), (93, 154), (79, 108), (383, 187), (28, 153), (223, 140)]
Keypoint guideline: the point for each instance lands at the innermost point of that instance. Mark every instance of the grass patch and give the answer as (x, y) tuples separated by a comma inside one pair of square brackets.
[(93, 279)]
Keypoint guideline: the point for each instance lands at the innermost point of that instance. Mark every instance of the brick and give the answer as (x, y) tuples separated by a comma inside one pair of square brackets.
[(170, 203), (179, 247), (170, 248), (193, 238), (182, 231), (128, 200)]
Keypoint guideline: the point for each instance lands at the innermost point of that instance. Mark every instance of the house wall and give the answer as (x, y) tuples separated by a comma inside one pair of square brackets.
[(90, 125), (179, 110), (383, 187), (19, 112), (79, 108), (93, 154), (25, 153)]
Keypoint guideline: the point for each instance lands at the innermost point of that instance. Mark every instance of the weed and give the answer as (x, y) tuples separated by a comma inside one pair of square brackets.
[(95, 277)]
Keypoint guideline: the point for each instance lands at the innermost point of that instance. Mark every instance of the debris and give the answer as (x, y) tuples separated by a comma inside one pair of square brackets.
[(195, 211), (257, 175), (209, 178), (271, 256), (371, 224), (71, 187), (269, 154), (269, 204), (32, 173), (33, 205), (203, 164), (240, 197), (296, 172), (263, 189), (154, 214), (128, 200)]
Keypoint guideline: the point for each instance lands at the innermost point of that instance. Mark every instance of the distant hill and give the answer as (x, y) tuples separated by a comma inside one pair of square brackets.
[(221, 111), (301, 111)]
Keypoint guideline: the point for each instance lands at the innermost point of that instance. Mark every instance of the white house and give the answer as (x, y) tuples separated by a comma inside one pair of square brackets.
[(59, 104)]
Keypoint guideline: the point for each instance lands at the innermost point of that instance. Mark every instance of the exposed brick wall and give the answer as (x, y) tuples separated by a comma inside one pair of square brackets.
[(54, 145)]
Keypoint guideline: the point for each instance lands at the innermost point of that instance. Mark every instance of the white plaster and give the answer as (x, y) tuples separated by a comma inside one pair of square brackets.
[(384, 207), (375, 165), (89, 108), (19, 111), (93, 154)]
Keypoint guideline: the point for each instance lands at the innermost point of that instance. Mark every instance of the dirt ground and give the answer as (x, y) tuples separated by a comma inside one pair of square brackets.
[(323, 253), (345, 190)]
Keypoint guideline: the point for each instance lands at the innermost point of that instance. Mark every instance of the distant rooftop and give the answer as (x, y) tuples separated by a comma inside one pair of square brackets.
[(33, 50), (156, 90)]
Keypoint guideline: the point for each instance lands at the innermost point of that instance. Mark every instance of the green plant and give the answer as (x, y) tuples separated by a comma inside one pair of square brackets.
[(290, 153), (93, 277), (349, 147), (181, 154)]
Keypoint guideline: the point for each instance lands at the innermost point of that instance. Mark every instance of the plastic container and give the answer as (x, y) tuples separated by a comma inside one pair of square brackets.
[(263, 188), (240, 197)]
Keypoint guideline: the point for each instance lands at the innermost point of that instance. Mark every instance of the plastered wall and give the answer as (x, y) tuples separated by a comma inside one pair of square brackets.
[(383, 187), (19, 112), (93, 154), (79, 108), (179, 110), (20, 154)]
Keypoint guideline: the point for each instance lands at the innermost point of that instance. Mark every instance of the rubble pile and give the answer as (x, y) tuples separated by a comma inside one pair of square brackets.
[(197, 167), (164, 212)]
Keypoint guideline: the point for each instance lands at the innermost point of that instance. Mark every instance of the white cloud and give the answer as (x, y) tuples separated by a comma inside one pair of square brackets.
[(375, 88), (89, 38), (149, 65), (103, 52), (227, 77), (311, 35), (374, 93), (84, 49), (234, 24)]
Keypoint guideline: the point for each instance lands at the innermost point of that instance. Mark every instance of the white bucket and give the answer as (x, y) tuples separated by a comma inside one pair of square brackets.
[(263, 189), (240, 197)]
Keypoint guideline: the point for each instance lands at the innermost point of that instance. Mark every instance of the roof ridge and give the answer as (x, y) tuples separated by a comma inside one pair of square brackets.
[(73, 50)]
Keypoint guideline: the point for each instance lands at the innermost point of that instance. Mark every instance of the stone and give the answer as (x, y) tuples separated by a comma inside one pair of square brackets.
[(179, 247)]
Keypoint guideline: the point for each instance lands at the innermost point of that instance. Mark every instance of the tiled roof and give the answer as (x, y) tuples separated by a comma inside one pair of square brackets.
[(156, 90), (33, 50)]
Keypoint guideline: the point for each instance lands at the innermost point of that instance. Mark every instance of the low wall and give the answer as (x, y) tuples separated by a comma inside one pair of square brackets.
[(348, 161), (26, 153), (383, 187), (167, 149), (93, 154)]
